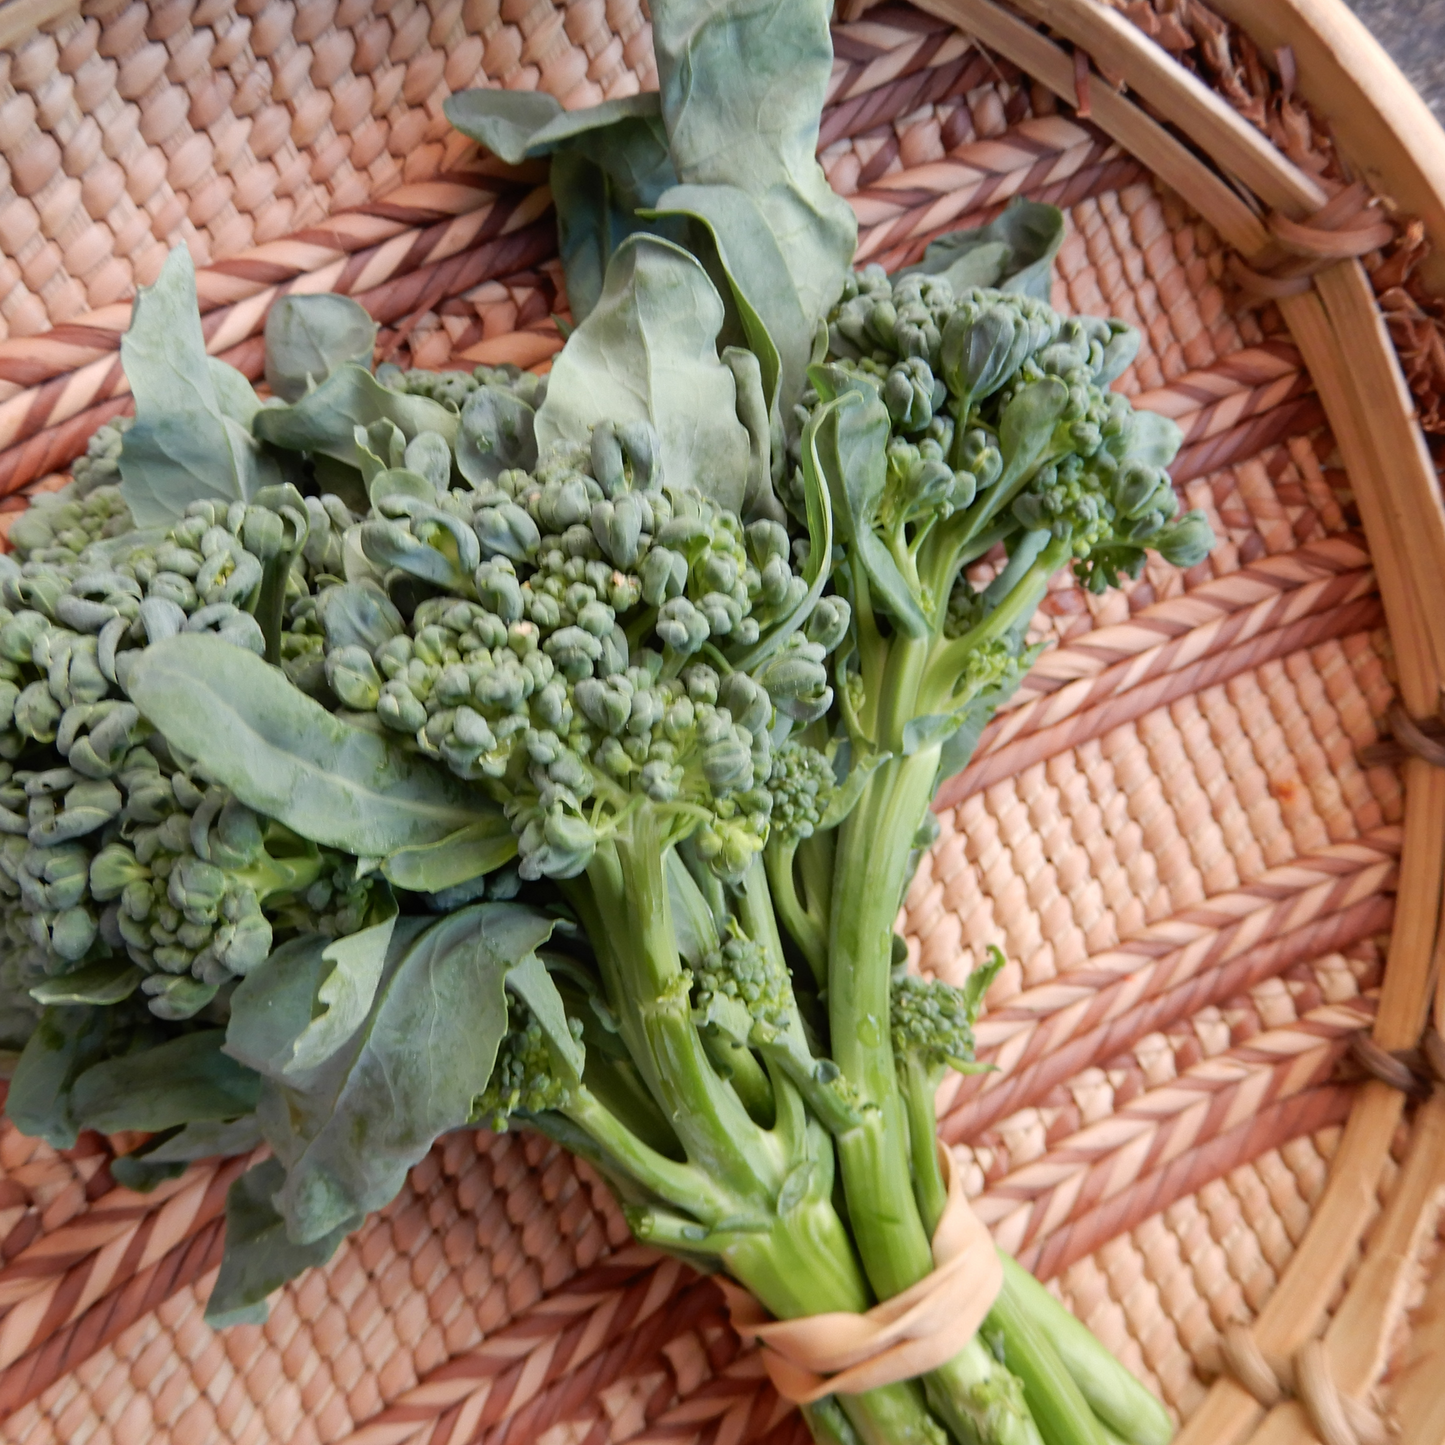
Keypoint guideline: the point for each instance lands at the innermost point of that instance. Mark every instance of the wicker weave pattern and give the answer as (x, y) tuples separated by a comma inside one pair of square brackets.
[(1168, 832)]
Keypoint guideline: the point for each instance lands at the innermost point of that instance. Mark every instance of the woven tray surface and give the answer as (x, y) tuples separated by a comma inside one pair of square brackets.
[(1169, 833)]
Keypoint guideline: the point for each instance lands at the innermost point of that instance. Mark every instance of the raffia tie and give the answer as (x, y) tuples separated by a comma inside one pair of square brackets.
[(906, 1336), (1347, 225), (1411, 1071), (1336, 1418), (1409, 738)]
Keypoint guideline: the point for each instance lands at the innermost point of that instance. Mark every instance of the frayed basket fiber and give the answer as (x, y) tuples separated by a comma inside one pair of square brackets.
[(1208, 833)]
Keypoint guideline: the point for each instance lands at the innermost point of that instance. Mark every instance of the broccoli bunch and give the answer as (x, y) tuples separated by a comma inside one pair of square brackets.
[(591, 638)]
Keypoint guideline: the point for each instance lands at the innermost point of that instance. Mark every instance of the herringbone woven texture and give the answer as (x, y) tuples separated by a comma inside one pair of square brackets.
[(1168, 833)]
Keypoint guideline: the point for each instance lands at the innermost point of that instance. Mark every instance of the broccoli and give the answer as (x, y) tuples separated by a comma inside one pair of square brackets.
[(114, 855), (525, 1079), (672, 694)]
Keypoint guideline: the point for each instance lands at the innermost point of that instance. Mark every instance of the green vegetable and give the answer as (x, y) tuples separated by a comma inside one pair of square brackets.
[(192, 432), (555, 753)]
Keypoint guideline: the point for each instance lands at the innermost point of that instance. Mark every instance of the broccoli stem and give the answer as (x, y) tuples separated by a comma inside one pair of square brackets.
[(918, 1085), (1119, 1401), (1054, 1398), (648, 991), (736, 1064), (973, 1388), (805, 930), (875, 842)]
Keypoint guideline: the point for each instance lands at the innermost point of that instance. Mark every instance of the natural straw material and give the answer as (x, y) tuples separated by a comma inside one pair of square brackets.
[(1208, 886)]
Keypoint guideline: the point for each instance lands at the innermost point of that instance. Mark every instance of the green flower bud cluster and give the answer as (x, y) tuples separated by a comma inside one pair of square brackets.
[(746, 973), (525, 1078), (932, 1021), (99, 466), (109, 851), (885, 318), (802, 785), (156, 865), (455, 387), (555, 653), (950, 367)]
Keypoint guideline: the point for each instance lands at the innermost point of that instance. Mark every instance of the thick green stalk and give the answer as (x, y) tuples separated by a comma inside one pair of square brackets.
[(1114, 1395), (874, 845), (1054, 1399), (648, 991)]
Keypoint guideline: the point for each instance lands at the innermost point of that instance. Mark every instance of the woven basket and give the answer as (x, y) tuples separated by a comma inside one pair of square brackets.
[(1219, 891)]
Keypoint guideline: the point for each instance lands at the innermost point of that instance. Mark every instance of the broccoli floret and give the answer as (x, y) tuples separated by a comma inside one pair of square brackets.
[(932, 1022), (579, 656), (744, 972), (802, 785), (524, 1078)]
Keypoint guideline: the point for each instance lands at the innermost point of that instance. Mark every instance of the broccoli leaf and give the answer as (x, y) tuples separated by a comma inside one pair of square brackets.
[(845, 444), (259, 1258), (109, 981), (349, 1130), (649, 352), (308, 337), (608, 162), (206, 1139), (531, 982), (177, 1082), (355, 615), (1015, 252), (1152, 439), (191, 439), (742, 85), (470, 852), (65, 1043), (325, 420), (757, 275), (345, 993), (284, 755)]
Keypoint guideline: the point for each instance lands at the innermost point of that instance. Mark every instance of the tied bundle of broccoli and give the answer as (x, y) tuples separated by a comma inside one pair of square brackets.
[(409, 751)]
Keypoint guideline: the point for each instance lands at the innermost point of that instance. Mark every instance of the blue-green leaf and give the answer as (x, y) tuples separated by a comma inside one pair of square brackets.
[(349, 1130), (65, 1043), (285, 756), (191, 440), (772, 318), (259, 1258), (742, 85), (177, 1082), (608, 162), (471, 852), (107, 982), (649, 353), (308, 337), (345, 993), (1015, 252), (325, 420)]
